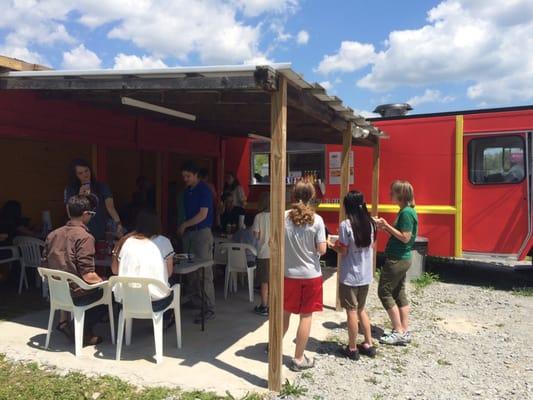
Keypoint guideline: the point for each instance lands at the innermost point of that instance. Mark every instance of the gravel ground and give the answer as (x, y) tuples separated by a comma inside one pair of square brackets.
[(468, 342)]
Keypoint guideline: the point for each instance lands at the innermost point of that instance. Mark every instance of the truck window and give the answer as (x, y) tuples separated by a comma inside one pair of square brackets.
[(496, 160)]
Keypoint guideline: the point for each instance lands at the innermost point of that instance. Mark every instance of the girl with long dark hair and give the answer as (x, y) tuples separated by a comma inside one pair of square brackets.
[(83, 181), (305, 242), (357, 235), (233, 187)]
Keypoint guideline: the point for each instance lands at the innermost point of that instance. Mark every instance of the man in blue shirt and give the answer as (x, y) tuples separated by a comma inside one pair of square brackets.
[(197, 235)]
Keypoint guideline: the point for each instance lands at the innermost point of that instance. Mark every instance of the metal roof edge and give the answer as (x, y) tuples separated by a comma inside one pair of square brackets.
[(147, 71)]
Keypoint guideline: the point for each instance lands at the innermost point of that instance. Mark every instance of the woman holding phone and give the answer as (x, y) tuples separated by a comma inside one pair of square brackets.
[(82, 181)]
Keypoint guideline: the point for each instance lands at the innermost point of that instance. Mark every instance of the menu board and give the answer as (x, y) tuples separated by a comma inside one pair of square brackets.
[(334, 164)]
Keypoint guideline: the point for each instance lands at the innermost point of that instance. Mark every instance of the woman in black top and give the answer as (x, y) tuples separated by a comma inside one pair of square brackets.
[(82, 181)]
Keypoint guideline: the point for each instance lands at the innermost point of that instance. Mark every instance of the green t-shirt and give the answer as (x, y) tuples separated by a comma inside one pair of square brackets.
[(406, 221)]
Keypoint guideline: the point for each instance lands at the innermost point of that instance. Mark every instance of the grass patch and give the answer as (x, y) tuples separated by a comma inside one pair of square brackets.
[(306, 375), (30, 381), (443, 362), (523, 291), (500, 325), (424, 280), (292, 389)]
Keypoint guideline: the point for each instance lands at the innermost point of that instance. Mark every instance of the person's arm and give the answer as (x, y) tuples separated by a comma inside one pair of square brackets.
[(241, 195), (202, 214), (321, 243), (110, 207), (85, 260), (170, 265), (404, 234), (114, 264)]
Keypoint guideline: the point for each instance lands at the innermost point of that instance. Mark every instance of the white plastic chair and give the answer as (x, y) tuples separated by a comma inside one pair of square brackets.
[(15, 254), (137, 304), (219, 256), (61, 299), (236, 262), (31, 250)]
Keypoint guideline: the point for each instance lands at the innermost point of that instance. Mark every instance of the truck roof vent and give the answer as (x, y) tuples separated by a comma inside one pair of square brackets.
[(393, 110)]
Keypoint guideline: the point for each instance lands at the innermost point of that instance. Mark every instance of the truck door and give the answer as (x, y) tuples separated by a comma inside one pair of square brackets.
[(496, 203)]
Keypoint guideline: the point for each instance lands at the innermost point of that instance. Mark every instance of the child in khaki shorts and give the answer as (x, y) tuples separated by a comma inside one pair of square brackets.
[(355, 245), (261, 229)]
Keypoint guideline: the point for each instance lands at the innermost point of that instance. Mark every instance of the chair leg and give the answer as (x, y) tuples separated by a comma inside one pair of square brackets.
[(79, 324), (251, 284), (129, 327), (111, 322), (226, 282), (22, 278), (120, 335), (50, 325), (234, 277), (177, 319), (157, 319)]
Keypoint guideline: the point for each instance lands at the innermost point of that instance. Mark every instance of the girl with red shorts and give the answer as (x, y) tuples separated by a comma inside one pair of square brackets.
[(305, 242)]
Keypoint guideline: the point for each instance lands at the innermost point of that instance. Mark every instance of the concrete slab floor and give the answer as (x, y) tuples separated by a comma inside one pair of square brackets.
[(229, 355)]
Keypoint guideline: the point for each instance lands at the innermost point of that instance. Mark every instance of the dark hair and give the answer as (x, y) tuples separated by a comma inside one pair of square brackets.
[(301, 212), (80, 203), (11, 213), (264, 202), (203, 173), (227, 195), (363, 226), (248, 220), (147, 224), (190, 166), (234, 185), (73, 181)]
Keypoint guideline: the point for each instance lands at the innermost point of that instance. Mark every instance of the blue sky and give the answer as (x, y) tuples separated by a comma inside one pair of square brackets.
[(438, 55)]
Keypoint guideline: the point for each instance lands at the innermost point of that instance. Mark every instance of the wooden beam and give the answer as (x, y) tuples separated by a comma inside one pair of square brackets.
[(345, 187), (278, 172), (14, 64), (314, 108), (375, 190), (132, 83)]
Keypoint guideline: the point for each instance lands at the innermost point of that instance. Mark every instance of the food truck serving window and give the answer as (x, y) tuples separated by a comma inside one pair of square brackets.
[(496, 160), (302, 159)]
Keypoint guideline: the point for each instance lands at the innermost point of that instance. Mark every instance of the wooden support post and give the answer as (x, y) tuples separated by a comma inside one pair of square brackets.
[(278, 172), (345, 187), (375, 191)]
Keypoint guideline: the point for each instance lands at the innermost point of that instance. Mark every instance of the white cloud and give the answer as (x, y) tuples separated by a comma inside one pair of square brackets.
[(126, 61), (302, 37), (81, 58), (215, 31), (326, 85), (429, 96), (350, 57), (253, 8), (487, 43), (260, 59)]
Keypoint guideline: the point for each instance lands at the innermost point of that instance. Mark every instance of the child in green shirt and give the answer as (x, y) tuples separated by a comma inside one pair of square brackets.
[(391, 289)]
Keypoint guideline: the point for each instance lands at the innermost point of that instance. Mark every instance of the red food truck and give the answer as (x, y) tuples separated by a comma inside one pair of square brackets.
[(471, 171)]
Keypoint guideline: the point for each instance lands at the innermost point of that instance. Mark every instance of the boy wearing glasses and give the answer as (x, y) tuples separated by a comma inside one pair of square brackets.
[(71, 249)]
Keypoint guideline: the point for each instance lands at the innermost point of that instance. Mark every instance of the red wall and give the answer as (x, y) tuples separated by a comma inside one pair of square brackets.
[(26, 113)]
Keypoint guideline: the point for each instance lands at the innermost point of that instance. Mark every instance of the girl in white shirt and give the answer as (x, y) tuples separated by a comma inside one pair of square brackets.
[(145, 253), (261, 229)]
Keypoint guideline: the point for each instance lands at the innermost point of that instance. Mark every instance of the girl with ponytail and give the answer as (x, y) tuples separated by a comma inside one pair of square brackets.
[(357, 235), (305, 242)]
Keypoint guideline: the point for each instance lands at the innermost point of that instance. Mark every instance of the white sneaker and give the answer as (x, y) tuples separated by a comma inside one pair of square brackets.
[(393, 339), (407, 337)]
